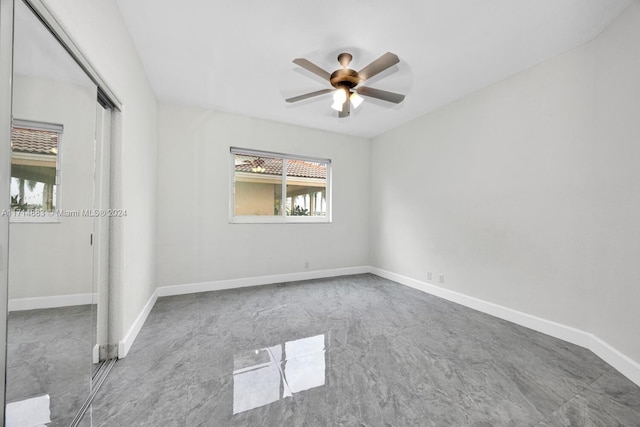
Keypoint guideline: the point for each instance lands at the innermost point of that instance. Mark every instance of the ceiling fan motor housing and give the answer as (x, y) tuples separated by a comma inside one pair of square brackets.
[(345, 78)]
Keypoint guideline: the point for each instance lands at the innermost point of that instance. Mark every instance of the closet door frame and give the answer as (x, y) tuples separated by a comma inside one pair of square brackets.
[(106, 97), (6, 76)]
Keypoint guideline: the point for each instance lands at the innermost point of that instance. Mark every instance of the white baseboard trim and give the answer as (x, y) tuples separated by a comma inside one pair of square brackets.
[(621, 362), (95, 354), (36, 303), (218, 285), (125, 344), (624, 364)]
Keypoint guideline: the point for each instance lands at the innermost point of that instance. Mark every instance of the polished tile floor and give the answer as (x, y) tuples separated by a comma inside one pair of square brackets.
[(352, 351), (49, 354)]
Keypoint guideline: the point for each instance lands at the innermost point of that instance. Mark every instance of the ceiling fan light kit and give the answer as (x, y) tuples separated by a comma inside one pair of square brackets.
[(355, 99), (345, 81)]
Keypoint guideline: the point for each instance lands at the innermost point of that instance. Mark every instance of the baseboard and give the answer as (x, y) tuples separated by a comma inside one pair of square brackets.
[(621, 362), (125, 344), (95, 354), (36, 303), (624, 364), (219, 285)]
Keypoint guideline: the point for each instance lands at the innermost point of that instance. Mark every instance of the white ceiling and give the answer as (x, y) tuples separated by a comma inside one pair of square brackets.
[(235, 56), (37, 53)]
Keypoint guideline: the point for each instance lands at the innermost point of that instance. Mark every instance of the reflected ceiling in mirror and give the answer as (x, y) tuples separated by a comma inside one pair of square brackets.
[(38, 54)]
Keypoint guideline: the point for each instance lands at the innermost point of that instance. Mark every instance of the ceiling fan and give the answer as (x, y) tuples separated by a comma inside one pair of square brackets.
[(345, 82)]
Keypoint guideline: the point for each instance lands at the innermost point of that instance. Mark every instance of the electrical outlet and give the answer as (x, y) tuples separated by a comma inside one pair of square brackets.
[(429, 276), (441, 278)]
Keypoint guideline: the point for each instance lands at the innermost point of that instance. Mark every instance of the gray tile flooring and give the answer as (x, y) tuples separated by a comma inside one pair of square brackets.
[(352, 351), (49, 353)]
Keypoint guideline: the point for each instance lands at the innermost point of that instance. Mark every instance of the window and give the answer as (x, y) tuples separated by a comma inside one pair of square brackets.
[(35, 170), (272, 187)]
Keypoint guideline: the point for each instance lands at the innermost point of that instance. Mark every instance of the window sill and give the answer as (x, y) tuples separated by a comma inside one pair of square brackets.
[(47, 218), (249, 219)]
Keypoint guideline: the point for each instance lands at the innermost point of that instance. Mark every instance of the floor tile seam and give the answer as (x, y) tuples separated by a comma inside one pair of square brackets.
[(542, 416), (280, 370), (194, 379), (563, 404), (191, 382), (186, 403), (196, 318), (591, 383), (286, 384), (577, 394)]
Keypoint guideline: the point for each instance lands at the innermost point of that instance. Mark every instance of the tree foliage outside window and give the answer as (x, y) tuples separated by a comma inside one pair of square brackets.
[(299, 211), (34, 166)]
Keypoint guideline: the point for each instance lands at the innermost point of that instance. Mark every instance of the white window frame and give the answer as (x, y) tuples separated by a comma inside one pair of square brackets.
[(282, 218), (48, 217)]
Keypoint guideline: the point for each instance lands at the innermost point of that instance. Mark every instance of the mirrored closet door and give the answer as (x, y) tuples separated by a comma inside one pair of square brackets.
[(58, 237)]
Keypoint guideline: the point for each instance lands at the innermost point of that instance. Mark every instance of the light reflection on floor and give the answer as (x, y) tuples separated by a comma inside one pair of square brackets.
[(33, 412), (265, 375)]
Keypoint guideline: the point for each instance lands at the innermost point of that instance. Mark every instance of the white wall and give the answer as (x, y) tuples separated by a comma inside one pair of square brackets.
[(196, 242), (100, 31), (525, 194), (55, 258), (508, 192), (616, 153)]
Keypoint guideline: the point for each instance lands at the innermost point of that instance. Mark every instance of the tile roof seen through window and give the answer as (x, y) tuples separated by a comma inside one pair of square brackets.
[(34, 141), (272, 166)]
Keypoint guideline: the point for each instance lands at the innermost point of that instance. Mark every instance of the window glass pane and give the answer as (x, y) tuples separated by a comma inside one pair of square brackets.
[(258, 185), (34, 156), (306, 188)]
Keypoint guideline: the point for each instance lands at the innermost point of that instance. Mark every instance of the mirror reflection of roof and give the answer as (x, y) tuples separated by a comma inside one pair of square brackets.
[(34, 141)]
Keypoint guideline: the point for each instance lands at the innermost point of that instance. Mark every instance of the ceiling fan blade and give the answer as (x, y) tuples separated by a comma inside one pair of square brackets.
[(396, 98), (309, 95), (310, 66), (379, 65), (346, 109)]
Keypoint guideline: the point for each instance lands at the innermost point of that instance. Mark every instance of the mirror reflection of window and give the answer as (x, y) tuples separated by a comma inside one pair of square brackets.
[(259, 374), (34, 166)]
